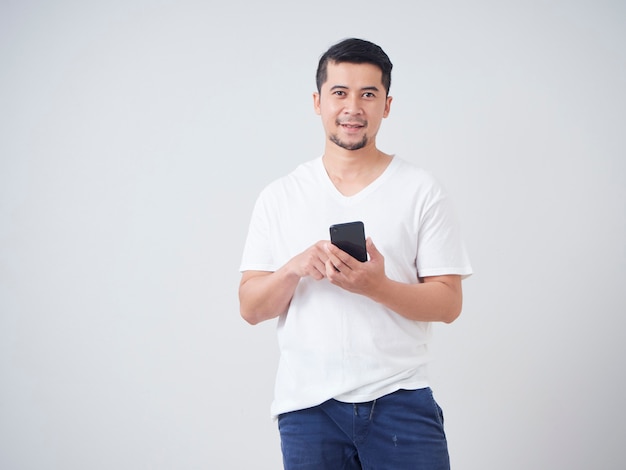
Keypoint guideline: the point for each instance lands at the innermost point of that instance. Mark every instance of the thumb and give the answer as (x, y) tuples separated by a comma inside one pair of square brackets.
[(372, 250)]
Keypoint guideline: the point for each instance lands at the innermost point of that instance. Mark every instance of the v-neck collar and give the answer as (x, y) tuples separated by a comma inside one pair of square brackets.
[(363, 193)]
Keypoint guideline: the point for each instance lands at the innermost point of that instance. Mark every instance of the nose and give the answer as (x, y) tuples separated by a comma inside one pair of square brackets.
[(352, 105)]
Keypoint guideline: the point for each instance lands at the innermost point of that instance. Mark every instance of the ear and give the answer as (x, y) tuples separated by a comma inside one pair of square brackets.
[(387, 106), (316, 103)]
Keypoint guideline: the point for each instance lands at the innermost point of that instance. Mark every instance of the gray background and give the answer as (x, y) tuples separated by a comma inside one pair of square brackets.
[(134, 138)]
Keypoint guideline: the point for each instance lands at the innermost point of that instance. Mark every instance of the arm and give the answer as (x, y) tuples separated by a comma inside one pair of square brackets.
[(438, 298), (265, 295)]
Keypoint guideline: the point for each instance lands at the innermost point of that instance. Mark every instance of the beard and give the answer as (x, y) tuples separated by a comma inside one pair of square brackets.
[(349, 146), (334, 138)]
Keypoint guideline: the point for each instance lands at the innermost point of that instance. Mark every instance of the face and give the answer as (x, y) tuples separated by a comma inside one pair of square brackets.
[(352, 103)]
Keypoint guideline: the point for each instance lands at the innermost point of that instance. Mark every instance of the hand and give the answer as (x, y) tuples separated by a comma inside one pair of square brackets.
[(311, 262), (352, 275)]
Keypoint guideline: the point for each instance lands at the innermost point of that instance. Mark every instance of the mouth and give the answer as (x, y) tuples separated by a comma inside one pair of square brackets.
[(351, 126)]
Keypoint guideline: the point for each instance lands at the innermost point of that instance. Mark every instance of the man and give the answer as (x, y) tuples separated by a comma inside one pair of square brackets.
[(352, 389)]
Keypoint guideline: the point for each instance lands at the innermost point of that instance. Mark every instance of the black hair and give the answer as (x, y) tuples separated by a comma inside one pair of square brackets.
[(355, 51)]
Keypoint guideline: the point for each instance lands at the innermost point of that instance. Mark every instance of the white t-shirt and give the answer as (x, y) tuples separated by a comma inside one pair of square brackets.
[(333, 343)]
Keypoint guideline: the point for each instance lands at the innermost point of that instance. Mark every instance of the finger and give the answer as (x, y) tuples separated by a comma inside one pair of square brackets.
[(371, 249), (340, 260), (320, 267), (331, 270), (315, 267), (318, 274)]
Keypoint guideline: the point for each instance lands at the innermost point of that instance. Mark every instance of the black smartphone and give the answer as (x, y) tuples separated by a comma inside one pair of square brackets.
[(350, 237)]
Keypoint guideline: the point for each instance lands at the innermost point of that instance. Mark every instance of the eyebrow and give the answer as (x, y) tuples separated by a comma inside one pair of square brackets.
[(343, 87)]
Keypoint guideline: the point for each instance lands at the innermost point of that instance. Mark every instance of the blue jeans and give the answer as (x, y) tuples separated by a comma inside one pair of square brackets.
[(400, 431)]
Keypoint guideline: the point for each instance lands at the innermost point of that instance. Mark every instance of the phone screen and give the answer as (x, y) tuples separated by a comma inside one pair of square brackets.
[(350, 237)]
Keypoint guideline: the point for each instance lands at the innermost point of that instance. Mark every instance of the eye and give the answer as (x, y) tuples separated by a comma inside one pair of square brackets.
[(339, 93), (369, 94)]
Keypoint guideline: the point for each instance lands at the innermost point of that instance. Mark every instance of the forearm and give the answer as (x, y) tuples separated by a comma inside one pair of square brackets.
[(263, 296), (439, 298)]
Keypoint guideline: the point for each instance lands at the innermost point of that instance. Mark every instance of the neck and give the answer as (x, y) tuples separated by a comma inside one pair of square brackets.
[(338, 160)]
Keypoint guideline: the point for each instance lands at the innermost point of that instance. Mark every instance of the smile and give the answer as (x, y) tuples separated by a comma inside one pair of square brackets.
[(352, 126)]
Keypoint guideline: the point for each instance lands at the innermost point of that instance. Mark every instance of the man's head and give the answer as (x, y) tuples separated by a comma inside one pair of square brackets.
[(353, 81), (355, 51)]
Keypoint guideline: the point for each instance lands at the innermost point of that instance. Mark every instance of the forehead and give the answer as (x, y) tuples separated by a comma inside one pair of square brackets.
[(353, 75)]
